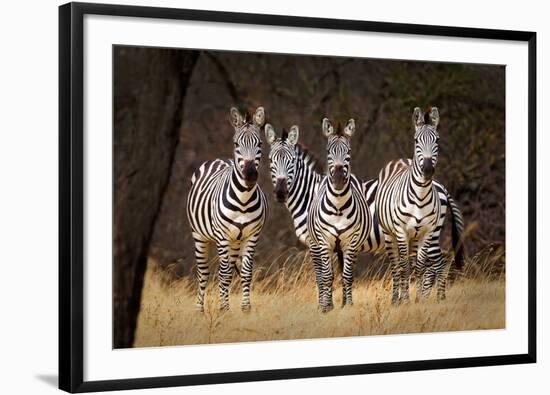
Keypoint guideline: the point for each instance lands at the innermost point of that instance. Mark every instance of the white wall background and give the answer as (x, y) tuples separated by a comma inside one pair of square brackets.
[(28, 193)]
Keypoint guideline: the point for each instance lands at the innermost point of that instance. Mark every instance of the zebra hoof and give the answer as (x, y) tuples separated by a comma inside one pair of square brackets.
[(199, 308), (326, 309), (330, 307), (246, 308)]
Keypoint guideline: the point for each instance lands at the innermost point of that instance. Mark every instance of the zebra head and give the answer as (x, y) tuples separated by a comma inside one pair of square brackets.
[(248, 143), (282, 160), (338, 152), (426, 140)]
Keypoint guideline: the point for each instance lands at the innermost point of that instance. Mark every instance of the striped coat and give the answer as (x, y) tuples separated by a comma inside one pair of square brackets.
[(227, 208), (410, 212), (338, 219)]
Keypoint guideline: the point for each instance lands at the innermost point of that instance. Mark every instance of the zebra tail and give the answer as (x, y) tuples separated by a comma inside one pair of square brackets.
[(457, 232)]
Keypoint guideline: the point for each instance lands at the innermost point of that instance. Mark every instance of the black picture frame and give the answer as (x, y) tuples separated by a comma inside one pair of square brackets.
[(71, 204)]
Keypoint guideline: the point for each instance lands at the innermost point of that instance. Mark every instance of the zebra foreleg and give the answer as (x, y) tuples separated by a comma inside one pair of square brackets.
[(327, 278), (225, 275), (246, 272), (315, 254), (202, 270), (350, 258)]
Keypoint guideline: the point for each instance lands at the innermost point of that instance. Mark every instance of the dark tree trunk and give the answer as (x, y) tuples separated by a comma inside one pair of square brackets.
[(149, 88)]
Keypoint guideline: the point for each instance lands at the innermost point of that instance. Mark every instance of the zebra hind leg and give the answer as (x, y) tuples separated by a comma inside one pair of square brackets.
[(202, 271)]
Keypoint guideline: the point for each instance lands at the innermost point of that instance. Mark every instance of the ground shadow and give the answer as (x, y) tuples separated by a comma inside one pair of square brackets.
[(50, 379)]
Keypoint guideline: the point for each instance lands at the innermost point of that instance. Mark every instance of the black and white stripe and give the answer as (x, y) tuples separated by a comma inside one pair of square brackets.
[(338, 220), (411, 210), (226, 207)]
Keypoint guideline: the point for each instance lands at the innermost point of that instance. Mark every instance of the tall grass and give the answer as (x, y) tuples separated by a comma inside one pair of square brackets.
[(284, 305)]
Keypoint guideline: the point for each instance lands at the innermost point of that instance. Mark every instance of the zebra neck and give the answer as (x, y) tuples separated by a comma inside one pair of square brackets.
[(420, 186), (339, 198), (305, 179), (238, 186)]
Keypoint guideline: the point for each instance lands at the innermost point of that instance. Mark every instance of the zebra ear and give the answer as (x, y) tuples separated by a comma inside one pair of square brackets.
[(293, 134), (434, 116), (259, 117), (237, 120), (327, 127), (418, 117), (269, 133), (349, 130)]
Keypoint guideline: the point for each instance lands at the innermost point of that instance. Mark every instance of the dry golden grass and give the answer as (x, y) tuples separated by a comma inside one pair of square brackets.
[(284, 306)]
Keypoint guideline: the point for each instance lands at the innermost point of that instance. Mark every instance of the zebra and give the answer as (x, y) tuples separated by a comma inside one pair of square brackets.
[(338, 219), (225, 206), (295, 179), (411, 207)]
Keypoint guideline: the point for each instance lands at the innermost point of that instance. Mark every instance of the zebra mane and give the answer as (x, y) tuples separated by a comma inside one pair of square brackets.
[(427, 119), (339, 129), (284, 136), (249, 119), (308, 158)]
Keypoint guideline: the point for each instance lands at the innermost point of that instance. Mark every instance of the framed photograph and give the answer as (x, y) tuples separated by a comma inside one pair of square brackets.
[(251, 197)]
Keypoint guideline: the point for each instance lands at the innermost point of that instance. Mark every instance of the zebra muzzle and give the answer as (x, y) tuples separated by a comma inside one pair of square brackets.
[(250, 173), (338, 178), (428, 168), (281, 190)]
